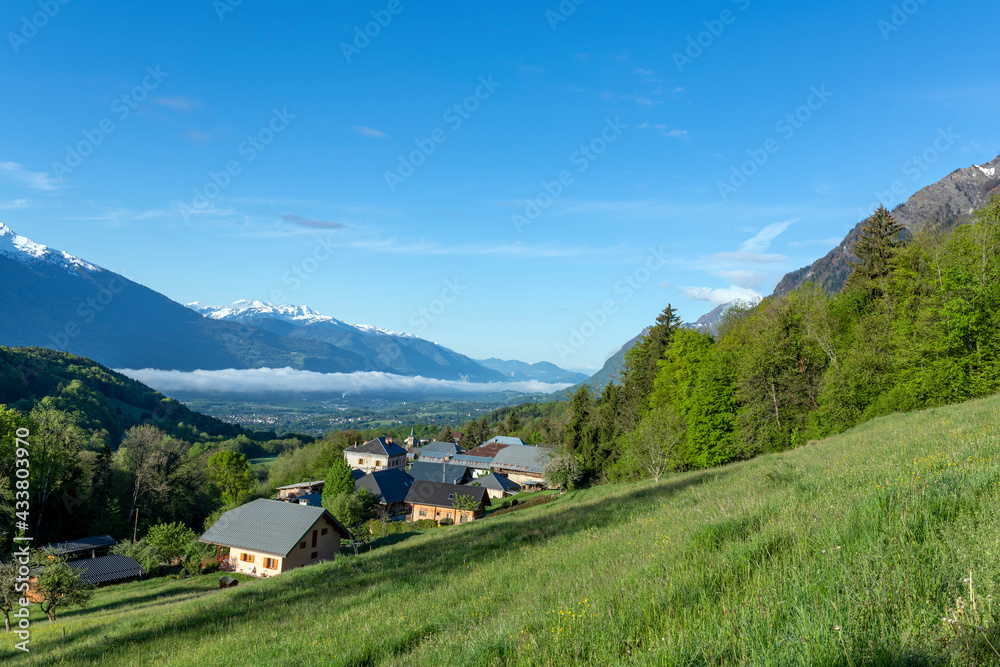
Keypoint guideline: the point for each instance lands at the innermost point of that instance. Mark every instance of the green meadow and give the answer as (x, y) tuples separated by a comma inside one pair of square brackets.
[(877, 546)]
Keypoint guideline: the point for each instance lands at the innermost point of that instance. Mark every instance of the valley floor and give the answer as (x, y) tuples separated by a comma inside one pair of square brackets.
[(849, 551)]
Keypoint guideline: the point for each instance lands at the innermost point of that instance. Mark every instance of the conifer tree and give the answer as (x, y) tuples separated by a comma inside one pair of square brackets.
[(879, 240)]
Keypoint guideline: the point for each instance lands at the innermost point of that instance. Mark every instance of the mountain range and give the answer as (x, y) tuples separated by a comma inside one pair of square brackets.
[(946, 204), (950, 202), (58, 301)]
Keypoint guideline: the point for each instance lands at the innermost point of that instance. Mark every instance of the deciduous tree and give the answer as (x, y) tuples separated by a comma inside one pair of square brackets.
[(59, 586)]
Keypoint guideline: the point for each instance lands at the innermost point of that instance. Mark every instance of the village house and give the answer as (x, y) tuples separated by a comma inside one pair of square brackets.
[(524, 464), (504, 440), (479, 465), (293, 491), (377, 454), (497, 486), (389, 488), (438, 452), (268, 537), (433, 500), (445, 473), (487, 450)]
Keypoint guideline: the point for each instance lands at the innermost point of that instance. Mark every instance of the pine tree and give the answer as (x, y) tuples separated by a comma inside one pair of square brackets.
[(879, 239)]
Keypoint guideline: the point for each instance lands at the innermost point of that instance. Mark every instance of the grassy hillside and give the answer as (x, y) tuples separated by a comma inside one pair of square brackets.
[(849, 551)]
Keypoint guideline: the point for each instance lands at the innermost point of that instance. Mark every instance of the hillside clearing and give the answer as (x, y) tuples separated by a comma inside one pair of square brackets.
[(846, 551)]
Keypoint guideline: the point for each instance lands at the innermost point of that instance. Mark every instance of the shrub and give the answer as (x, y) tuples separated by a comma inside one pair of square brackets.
[(446, 522), (424, 524)]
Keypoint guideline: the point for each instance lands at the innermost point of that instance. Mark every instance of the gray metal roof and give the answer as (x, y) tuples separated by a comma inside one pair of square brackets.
[(311, 499), (301, 485), (481, 462), (527, 458), (267, 526), (84, 544), (377, 446), (505, 440), (442, 495), (105, 569), (438, 472), (388, 486), (496, 483), (441, 448)]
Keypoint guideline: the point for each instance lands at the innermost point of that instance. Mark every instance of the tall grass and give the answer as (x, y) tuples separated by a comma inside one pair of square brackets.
[(855, 550)]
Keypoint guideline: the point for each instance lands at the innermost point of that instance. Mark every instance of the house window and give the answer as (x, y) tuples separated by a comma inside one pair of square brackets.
[(315, 555), (246, 558), (378, 464), (302, 546), (323, 532), (360, 461), (451, 496), (271, 563), (314, 539), (423, 513), (448, 515)]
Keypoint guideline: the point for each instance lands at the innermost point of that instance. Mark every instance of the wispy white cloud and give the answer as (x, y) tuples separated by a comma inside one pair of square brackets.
[(275, 380), (312, 223), (17, 203), (721, 296), (369, 132), (664, 130), (748, 278), (198, 135), (512, 250), (178, 103), (763, 239), (33, 180), (750, 257)]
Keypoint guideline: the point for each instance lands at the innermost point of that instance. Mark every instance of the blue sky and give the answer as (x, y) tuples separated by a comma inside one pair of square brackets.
[(525, 180)]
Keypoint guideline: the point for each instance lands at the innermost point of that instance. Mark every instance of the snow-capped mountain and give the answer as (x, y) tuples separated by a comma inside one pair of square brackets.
[(23, 249), (57, 301), (384, 350), (246, 309)]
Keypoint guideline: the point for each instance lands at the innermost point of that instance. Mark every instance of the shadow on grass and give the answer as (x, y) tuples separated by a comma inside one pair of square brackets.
[(164, 596), (427, 564)]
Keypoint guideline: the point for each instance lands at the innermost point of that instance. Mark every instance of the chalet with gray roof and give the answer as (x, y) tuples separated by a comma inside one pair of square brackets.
[(293, 491), (440, 472), (479, 465), (504, 440), (377, 454), (85, 547), (268, 537), (497, 486), (438, 451), (388, 486), (524, 464), (108, 570), (446, 502)]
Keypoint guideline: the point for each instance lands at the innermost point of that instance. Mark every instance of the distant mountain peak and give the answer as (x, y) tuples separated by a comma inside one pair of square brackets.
[(247, 308), (949, 202), (26, 251)]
